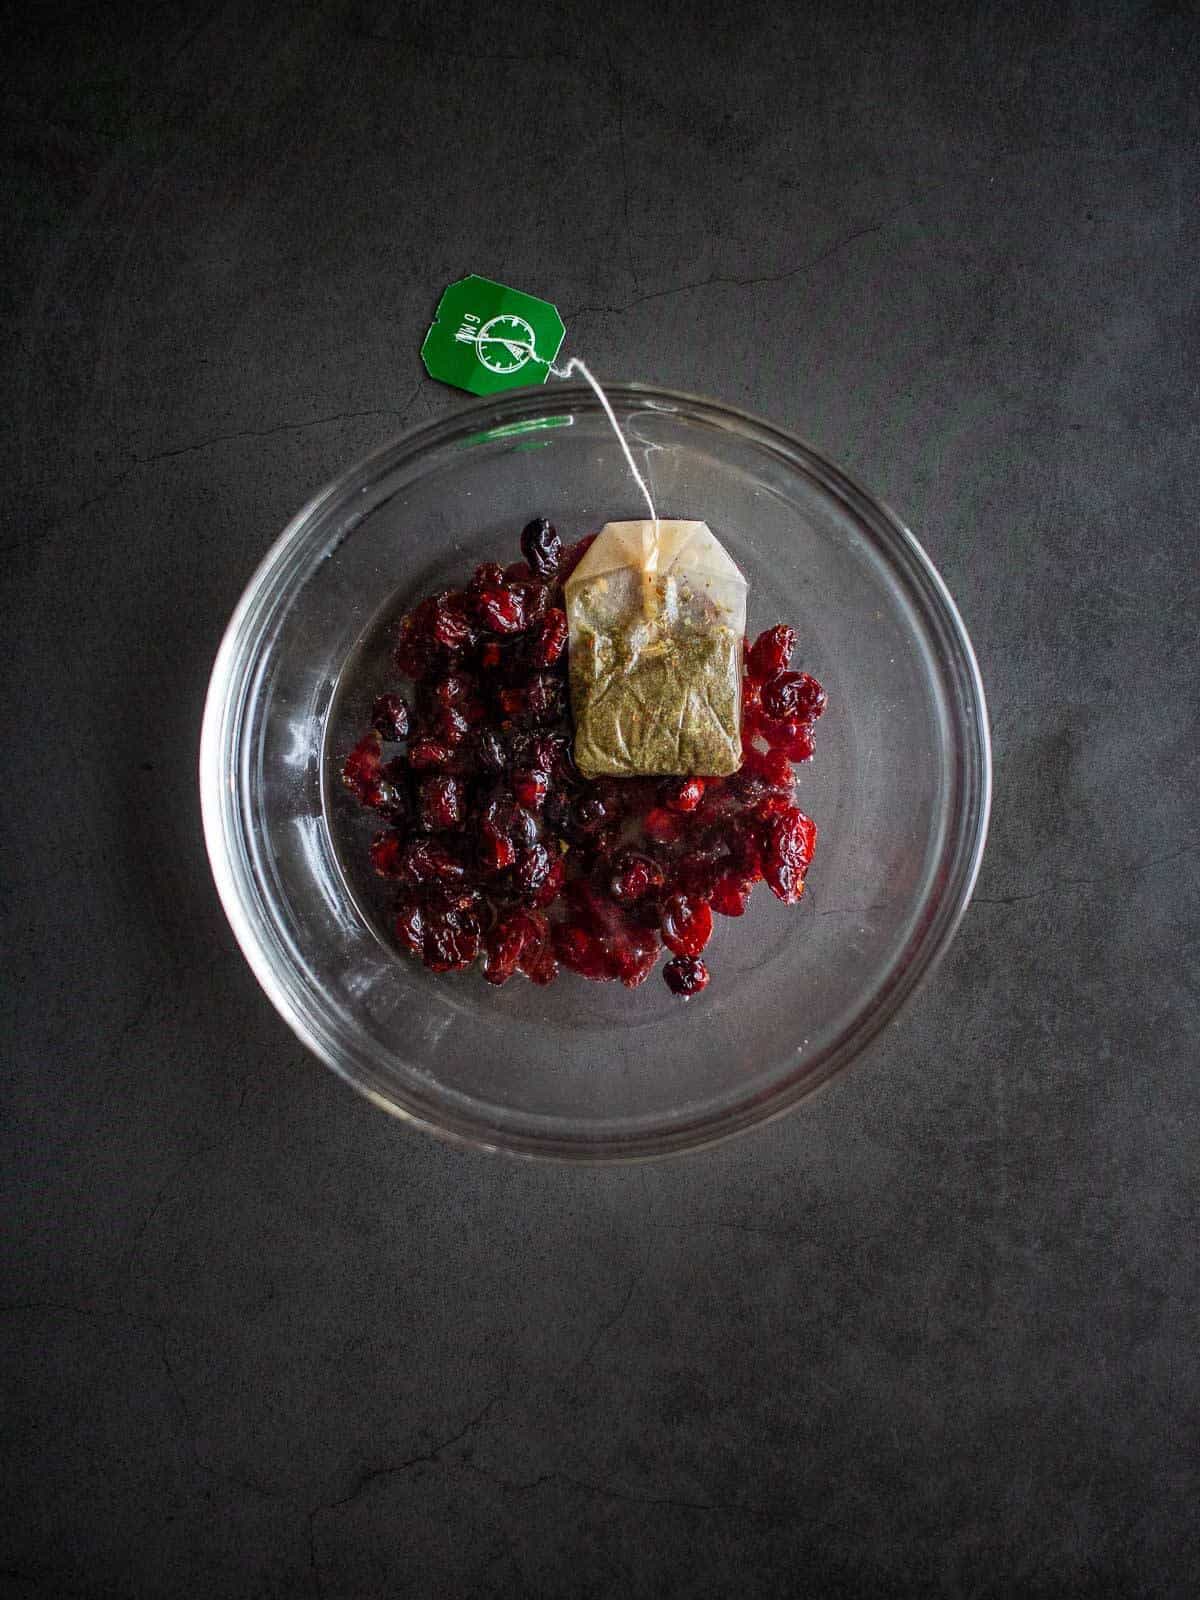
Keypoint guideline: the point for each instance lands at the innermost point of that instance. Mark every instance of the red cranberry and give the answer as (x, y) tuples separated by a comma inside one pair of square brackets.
[(512, 702), (453, 689), (523, 829), (549, 639), (410, 927), (633, 876), (501, 610), (490, 751), (442, 803), (532, 870), (632, 958), (540, 966), (687, 925), (451, 940), (361, 769), (731, 894), (531, 786), (663, 825), (502, 949), (452, 726), (427, 754), (386, 852), (488, 575), (426, 861), (580, 950), (798, 744), (791, 840), (771, 652), (389, 717), (451, 622), (793, 694), (683, 794), (491, 656), (685, 976), (695, 874), (496, 852), (541, 547), (552, 888)]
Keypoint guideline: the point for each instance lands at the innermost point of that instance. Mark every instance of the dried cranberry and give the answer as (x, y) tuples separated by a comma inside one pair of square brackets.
[(496, 852), (798, 745), (552, 887), (427, 861), (541, 547), (523, 829), (580, 950), (501, 610), (426, 754), (590, 811), (682, 794), (386, 850), (685, 976), (453, 689), (488, 575), (633, 957), (696, 873), (771, 652), (549, 638), (544, 698), (361, 770), (793, 694), (451, 726), (537, 601), (512, 702), (442, 803), (731, 894), (490, 751), (531, 786), (451, 940), (491, 656), (502, 947), (410, 927), (451, 622), (539, 963), (389, 717), (532, 870), (663, 825), (791, 840), (633, 876), (687, 925)]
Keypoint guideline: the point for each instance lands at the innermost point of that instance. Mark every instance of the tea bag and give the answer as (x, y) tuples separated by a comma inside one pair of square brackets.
[(657, 613)]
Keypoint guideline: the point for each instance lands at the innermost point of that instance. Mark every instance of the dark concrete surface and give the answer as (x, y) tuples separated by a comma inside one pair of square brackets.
[(936, 1333)]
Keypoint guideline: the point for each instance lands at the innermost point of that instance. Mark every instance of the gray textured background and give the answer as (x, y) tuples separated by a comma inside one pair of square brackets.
[(936, 1333)]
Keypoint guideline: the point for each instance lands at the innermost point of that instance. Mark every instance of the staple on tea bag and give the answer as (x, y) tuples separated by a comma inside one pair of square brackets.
[(657, 612)]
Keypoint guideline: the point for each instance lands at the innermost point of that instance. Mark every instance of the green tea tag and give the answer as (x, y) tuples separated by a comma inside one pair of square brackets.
[(487, 337)]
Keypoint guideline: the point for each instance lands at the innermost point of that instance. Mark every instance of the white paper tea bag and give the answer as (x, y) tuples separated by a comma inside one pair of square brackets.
[(657, 612)]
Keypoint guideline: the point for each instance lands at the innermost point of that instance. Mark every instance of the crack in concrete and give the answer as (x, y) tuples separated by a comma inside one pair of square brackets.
[(722, 280)]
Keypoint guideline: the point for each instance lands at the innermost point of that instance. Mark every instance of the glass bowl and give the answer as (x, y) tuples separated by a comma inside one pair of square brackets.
[(899, 787)]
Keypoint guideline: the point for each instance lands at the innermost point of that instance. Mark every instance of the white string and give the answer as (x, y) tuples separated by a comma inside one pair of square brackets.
[(576, 365)]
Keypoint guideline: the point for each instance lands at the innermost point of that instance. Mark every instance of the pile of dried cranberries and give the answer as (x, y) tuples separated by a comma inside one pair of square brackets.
[(496, 843)]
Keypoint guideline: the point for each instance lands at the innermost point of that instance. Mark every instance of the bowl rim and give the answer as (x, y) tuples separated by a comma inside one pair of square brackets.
[(220, 781)]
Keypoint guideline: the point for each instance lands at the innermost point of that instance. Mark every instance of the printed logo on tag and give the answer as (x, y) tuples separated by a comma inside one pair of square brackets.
[(487, 337)]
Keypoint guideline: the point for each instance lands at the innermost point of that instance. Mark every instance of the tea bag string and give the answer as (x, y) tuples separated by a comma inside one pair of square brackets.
[(574, 364)]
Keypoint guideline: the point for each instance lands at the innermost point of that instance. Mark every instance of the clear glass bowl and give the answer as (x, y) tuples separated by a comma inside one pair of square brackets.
[(899, 787)]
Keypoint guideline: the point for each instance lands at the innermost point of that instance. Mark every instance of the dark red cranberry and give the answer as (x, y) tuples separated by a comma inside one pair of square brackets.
[(490, 751), (685, 976), (451, 940), (429, 755), (552, 888), (442, 803), (682, 794), (488, 575), (663, 825), (491, 656), (496, 852), (523, 829), (451, 726), (632, 956), (537, 601), (502, 947), (549, 638), (531, 785), (791, 840), (731, 894), (771, 652), (798, 743), (451, 622), (512, 702), (453, 689), (427, 861), (410, 927), (572, 555), (544, 698), (386, 852), (389, 717), (501, 610), (695, 874), (532, 870), (541, 547), (633, 876), (687, 925), (793, 694), (580, 950), (540, 965), (362, 770)]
